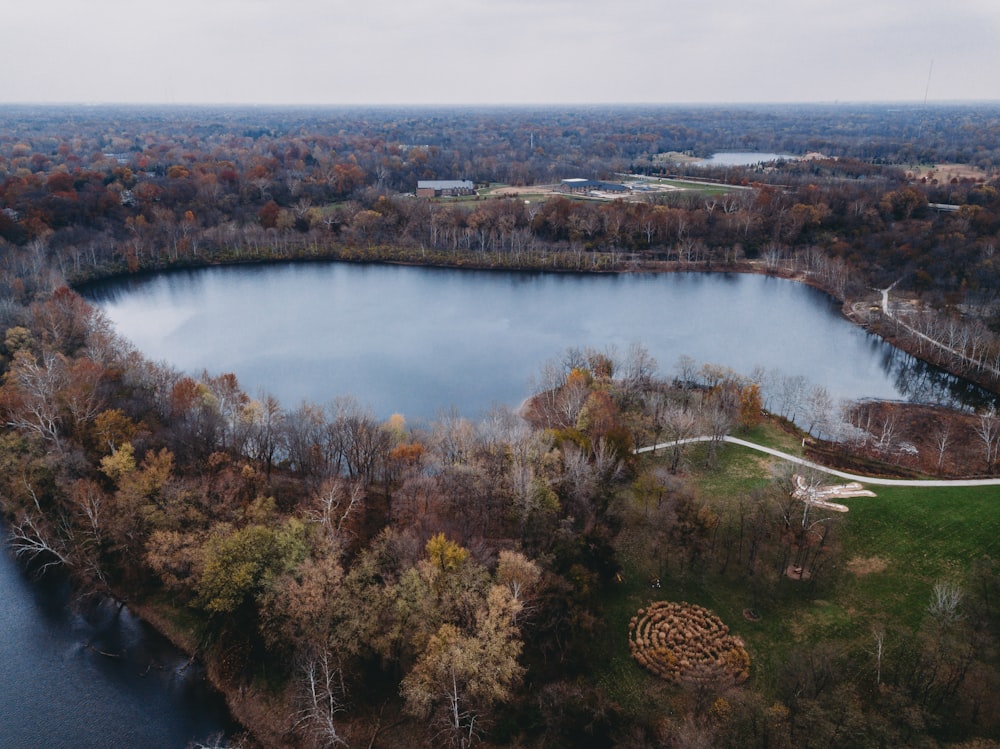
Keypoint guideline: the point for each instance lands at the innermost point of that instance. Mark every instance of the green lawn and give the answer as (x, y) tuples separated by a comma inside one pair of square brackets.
[(922, 535), (891, 549)]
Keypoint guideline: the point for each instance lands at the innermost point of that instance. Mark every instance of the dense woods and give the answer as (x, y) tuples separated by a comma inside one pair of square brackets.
[(356, 582)]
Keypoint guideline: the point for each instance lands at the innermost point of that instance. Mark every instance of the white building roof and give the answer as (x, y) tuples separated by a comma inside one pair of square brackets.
[(446, 184)]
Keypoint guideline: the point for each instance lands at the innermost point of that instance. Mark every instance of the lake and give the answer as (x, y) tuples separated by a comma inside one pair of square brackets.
[(744, 158), (420, 341)]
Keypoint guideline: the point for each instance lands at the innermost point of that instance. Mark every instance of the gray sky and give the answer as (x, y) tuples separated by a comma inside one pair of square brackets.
[(498, 51)]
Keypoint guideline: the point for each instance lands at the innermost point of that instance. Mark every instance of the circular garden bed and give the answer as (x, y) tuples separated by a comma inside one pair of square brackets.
[(685, 641)]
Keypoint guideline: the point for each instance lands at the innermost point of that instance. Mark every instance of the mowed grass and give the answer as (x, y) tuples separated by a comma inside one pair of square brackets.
[(922, 535), (890, 551)]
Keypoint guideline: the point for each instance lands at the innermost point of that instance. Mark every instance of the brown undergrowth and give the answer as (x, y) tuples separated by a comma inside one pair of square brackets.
[(910, 440)]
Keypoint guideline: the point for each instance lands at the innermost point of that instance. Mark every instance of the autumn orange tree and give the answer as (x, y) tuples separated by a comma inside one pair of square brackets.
[(751, 408)]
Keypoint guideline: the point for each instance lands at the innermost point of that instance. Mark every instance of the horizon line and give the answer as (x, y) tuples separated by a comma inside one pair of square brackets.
[(510, 104)]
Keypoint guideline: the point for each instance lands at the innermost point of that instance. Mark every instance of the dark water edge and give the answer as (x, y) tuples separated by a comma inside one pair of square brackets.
[(85, 673)]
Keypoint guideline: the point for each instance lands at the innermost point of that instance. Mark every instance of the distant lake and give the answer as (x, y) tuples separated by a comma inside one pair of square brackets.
[(419, 341), (744, 158)]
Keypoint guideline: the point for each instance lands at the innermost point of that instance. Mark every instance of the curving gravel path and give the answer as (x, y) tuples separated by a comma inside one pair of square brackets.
[(824, 469)]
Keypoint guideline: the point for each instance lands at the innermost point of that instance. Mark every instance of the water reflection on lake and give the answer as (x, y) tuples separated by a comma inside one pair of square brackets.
[(421, 340)]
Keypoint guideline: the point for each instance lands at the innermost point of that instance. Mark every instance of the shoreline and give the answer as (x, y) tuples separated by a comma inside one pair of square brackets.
[(243, 704)]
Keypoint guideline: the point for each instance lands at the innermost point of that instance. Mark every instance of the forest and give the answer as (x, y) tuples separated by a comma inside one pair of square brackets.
[(94, 192), (349, 581)]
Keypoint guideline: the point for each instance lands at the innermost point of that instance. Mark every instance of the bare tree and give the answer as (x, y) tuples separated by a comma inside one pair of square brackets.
[(819, 409), (988, 431), (655, 405), (30, 541), (790, 395), (323, 694), (877, 650), (580, 482), (942, 437), (607, 462), (946, 600), (887, 435), (37, 385), (259, 434), (687, 372), (335, 503), (678, 425), (639, 369)]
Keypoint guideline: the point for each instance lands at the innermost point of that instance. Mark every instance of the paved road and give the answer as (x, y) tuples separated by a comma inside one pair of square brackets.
[(833, 472)]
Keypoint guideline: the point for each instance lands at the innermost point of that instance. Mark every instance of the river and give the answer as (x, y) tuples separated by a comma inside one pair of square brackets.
[(420, 341), (93, 677)]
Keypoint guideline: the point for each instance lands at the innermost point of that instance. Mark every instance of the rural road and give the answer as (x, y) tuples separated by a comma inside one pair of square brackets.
[(831, 471)]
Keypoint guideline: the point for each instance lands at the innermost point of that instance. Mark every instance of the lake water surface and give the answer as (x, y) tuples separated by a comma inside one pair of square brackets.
[(98, 680), (419, 341), (744, 158)]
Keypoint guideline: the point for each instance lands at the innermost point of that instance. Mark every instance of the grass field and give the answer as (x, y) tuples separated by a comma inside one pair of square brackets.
[(945, 173), (888, 553), (538, 194), (922, 535), (704, 188)]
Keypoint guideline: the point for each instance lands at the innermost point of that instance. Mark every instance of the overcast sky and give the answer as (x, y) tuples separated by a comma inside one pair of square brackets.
[(498, 51)]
